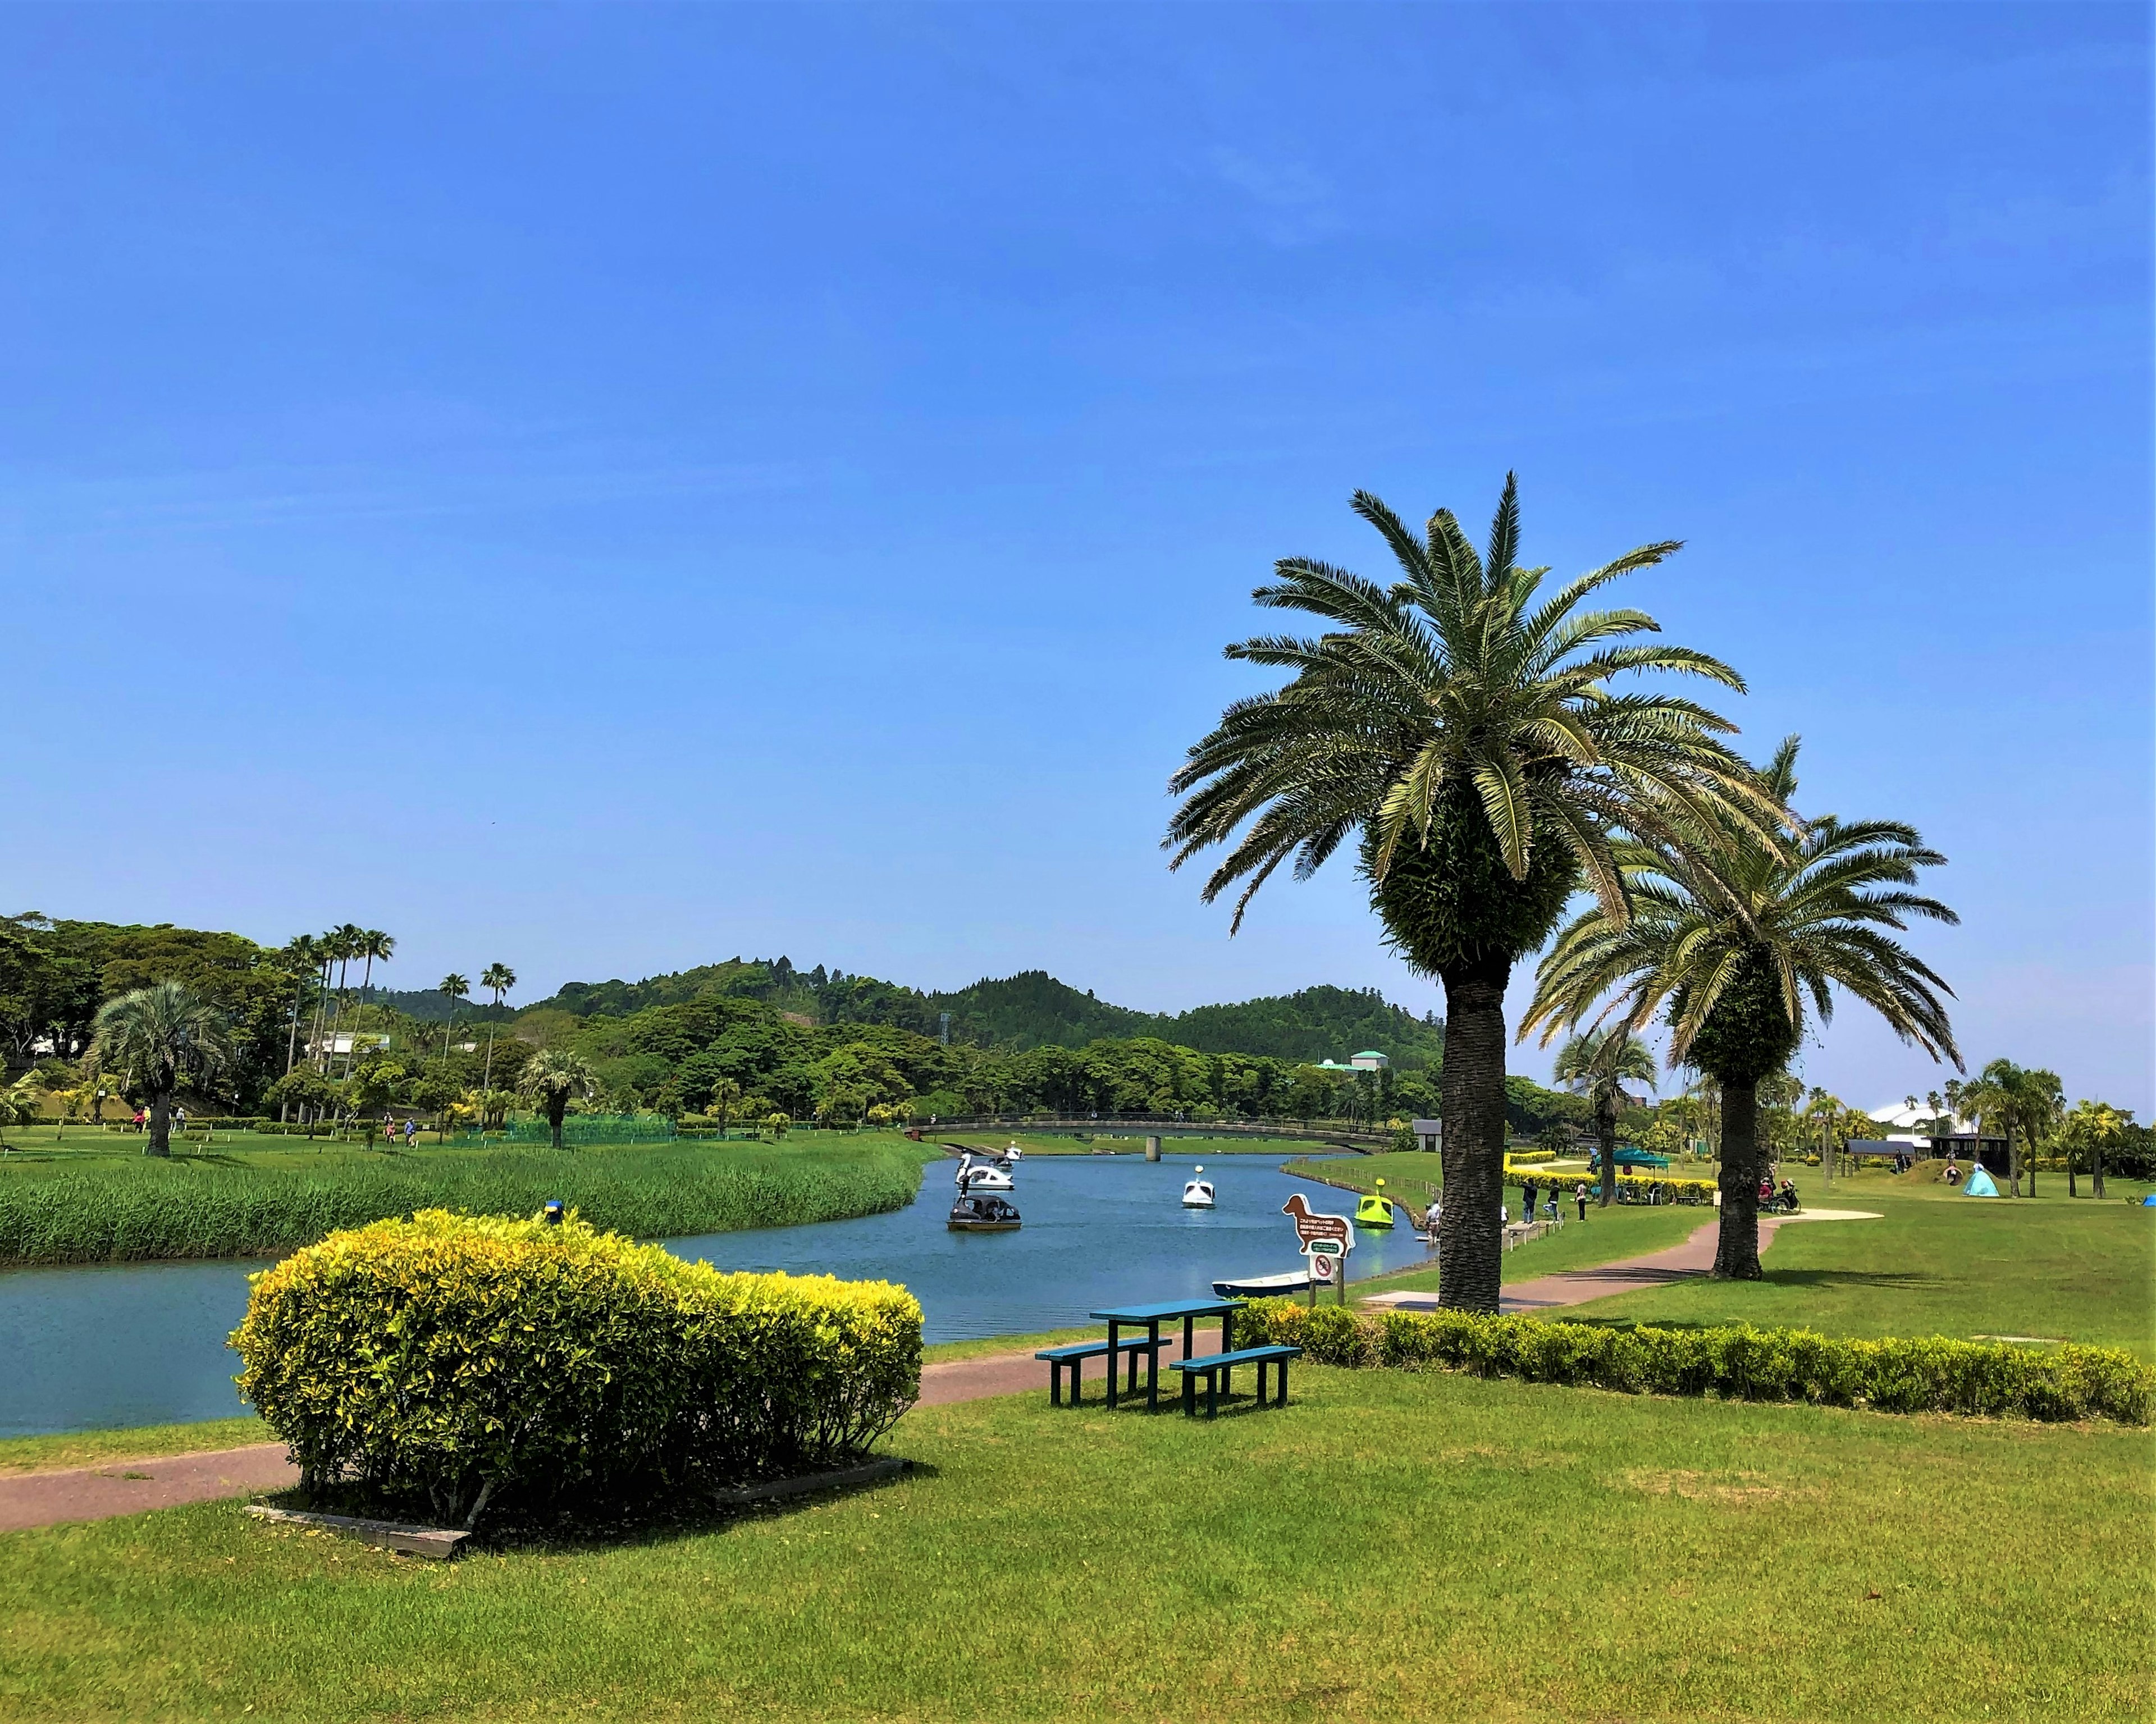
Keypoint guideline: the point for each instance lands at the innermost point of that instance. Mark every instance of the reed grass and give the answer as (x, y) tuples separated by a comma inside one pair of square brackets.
[(116, 1209)]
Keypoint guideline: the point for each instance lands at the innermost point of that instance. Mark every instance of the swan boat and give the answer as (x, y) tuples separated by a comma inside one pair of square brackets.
[(985, 1212), (1197, 1193), (1375, 1210)]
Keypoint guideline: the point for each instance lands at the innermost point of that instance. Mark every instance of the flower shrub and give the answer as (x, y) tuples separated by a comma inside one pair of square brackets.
[(1929, 1374), (464, 1357)]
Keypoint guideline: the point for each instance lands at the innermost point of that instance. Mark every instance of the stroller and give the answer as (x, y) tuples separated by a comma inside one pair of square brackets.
[(1784, 1202)]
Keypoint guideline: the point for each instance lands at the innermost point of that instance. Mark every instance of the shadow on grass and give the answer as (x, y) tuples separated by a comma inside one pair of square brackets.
[(508, 1529)]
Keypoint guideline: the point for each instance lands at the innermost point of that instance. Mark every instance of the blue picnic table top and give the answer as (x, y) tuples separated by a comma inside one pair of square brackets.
[(1166, 1309)]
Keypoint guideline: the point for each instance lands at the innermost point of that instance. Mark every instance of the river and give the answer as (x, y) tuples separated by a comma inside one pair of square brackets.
[(93, 1347)]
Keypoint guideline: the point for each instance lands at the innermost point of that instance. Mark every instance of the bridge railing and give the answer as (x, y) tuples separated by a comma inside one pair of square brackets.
[(1153, 1126)]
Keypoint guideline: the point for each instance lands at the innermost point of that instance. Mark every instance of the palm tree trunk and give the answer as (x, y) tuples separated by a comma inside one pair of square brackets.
[(2029, 1138), (365, 985), (2096, 1171), (1737, 1243), (555, 1110), (1605, 1135), (161, 1124), (2073, 1190), (2012, 1161), (1470, 1246)]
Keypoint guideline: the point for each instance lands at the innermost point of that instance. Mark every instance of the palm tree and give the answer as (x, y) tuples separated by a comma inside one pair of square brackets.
[(725, 1093), (551, 1078), (341, 945), (1464, 736), (302, 955), (2017, 1098), (498, 979), (155, 1040), (457, 989), (1595, 1064), (1730, 954), (371, 944), (2092, 1127)]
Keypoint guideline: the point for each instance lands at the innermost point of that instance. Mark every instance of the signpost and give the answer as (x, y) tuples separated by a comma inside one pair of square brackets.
[(1327, 1240)]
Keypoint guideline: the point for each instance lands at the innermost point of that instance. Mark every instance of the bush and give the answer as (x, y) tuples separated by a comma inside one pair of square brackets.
[(1930, 1374), (1514, 1158), (463, 1358), (1631, 1188)]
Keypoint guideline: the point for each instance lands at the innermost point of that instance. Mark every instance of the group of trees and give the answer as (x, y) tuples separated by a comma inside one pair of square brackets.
[(1458, 732)]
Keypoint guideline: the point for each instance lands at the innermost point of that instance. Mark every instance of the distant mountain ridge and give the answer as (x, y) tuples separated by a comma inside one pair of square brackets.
[(1034, 1009)]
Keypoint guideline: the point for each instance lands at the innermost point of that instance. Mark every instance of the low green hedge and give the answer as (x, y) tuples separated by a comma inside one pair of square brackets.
[(1926, 1375), (462, 1358)]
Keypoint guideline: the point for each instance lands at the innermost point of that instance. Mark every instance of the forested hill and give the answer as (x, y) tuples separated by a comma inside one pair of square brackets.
[(1033, 1009)]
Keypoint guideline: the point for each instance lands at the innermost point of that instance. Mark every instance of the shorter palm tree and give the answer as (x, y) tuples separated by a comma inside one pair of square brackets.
[(156, 1041), (551, 1079), (2025, 1103), (2091, 1128), (1733, 951), (725, 1093), (1595, 1064)]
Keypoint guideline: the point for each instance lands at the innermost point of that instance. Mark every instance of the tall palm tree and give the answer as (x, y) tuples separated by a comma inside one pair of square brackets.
[(551, 1079), (1731, 954), (343, 944), (497, 979), (458, 989), (1595, 1064), (301, 954), (371, 944), (155, 1040), (1462, 731)]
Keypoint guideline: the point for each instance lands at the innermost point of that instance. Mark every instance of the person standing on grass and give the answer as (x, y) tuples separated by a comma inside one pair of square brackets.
[(411, 1132), (1527, 1201), (1579, 1197)]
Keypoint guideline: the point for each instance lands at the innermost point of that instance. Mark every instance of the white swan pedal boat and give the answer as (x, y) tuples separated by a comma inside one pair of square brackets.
[(1197, 1193)]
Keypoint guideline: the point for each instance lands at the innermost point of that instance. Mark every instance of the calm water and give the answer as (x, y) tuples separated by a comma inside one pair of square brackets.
[(144, 1343)]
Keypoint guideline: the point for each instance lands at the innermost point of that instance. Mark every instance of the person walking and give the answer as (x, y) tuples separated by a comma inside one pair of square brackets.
[(411, 1132)]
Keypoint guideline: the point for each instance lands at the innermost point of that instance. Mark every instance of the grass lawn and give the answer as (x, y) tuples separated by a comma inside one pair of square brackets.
[(1937, 1263), (1391, 1545), (43, 1454), (96, 1199)]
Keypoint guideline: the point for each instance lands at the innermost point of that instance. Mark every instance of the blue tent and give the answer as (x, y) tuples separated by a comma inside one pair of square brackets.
[(2149, 1202), (1980, 1185)]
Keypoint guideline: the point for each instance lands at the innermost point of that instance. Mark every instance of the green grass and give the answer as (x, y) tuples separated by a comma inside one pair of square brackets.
[(45, 1454), (1935, 1265), (99, 1205), (1391, 1546)]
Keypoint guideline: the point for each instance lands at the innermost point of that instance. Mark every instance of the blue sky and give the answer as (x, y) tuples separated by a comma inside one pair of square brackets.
[(608, 489)]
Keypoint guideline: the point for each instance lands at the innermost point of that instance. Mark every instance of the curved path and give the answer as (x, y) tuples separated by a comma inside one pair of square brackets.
[(1578, 1286), (130, 1487)]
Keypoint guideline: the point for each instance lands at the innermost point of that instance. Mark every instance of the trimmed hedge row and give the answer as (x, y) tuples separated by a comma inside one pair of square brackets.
[(464, 1357), (1931, 1374)]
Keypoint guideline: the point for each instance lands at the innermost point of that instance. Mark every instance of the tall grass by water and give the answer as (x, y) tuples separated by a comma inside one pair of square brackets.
[(110, 1209)]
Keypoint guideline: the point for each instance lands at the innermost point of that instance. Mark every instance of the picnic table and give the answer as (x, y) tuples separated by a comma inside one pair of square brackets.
[(1118, 1317)]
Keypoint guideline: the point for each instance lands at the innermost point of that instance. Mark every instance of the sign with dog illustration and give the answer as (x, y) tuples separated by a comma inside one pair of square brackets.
[(1309, 1225)]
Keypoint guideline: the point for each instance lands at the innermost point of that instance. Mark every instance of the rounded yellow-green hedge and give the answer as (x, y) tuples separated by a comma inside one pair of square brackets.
[(466, 1358)]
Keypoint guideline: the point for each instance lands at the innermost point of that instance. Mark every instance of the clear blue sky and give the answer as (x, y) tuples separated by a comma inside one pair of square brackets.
[(609, 488)]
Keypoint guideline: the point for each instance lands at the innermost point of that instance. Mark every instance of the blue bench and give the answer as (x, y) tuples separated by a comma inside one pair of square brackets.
[(1077, 1352), (1218, 1371)]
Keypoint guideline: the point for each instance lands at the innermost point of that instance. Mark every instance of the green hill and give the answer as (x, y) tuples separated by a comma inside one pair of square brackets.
[(1033, 1009)]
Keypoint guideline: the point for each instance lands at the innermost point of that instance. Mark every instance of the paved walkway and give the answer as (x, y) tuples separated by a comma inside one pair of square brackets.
[(1577, 1286), (130, 1487)]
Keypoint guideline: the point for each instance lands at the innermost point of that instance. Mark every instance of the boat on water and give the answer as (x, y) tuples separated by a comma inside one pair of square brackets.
[(1375, 1210), (983, 1213), (1197, 1193), (1279, 1286), (985, 1169)]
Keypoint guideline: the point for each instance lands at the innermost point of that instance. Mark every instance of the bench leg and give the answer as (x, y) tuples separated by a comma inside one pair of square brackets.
[(1055, 1383), (1282, 1402), (1212, 1394), (1189, 1395), (1131, 1386), (1078, 1381)]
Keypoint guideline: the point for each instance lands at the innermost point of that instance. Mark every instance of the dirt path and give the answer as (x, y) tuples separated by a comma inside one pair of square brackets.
[(131, 1487)]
